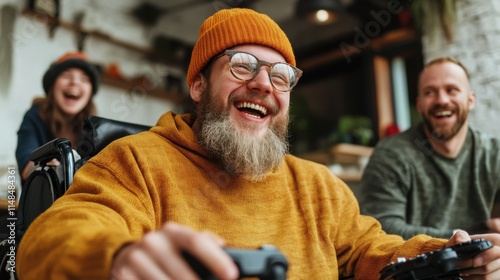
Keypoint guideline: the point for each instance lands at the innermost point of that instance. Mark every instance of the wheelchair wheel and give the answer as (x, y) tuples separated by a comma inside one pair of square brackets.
[(38, 193)]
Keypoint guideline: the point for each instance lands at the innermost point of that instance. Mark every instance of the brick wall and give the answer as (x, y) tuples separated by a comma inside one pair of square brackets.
[(476, 43)]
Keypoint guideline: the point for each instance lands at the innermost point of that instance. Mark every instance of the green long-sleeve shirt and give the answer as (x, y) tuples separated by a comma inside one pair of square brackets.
[(412, 189)]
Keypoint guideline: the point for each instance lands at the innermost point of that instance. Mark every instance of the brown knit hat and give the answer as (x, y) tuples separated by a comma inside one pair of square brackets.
[(230, 27)]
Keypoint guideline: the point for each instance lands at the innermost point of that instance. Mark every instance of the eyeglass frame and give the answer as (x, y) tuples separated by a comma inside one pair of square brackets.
[(260, 63)]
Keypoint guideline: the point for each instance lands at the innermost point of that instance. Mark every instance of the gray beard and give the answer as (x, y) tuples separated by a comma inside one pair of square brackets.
[(240, 153)]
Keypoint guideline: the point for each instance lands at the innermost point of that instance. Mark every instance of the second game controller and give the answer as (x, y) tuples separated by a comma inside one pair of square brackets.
[(266, 263)]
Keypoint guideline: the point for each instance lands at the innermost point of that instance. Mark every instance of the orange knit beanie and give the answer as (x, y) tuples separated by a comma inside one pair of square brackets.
[(230, 27)]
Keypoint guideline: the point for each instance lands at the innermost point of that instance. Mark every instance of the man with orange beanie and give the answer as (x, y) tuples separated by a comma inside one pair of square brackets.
[(219, 177)]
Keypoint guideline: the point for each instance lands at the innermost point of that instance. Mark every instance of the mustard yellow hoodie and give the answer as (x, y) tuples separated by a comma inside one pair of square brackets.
[(140, 182)]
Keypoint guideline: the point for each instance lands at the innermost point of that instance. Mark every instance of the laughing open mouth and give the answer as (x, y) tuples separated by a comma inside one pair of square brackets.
[(251, 109), (71, 95), (443, 114)]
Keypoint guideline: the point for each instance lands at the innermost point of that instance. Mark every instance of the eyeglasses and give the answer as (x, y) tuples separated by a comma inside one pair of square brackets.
[(245, 67)]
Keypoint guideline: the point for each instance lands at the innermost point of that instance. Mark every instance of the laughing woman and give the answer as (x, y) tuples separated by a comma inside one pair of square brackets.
[(69, 84)]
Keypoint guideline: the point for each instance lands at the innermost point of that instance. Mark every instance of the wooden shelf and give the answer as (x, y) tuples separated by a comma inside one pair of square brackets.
[(52, 21), (323, 157), (347, 155), (391, 38), (351, 149), (106, 79), (141, 89), (349, 177)]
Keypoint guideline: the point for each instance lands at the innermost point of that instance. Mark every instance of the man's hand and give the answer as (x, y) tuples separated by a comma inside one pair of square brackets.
[(486, 264), (493, 225), (458, 237), (53, 162), (158, 255)]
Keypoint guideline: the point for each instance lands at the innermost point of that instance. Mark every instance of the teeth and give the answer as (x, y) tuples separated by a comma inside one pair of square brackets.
[(253, 106), (443, 113), (252, 116)]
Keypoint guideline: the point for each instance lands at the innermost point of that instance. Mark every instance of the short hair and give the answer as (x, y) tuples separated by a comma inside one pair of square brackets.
[(444, 59)]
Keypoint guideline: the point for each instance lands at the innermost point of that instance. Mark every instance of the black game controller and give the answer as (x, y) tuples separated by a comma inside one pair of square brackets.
[(440, 264), (470, 249), (266, 263)]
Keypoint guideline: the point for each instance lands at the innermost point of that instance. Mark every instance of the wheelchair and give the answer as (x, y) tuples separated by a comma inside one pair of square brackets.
[(47, 183)]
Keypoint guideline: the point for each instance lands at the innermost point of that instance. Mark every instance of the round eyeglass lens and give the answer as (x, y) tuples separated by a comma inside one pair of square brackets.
[(244, 66), (282, 76)]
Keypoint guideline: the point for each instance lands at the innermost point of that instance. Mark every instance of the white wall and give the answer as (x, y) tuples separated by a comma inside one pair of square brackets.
[(34, 50)]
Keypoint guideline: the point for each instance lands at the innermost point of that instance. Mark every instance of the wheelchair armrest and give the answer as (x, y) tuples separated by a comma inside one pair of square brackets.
[(60, 149), (56, 148), (98, 132)]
